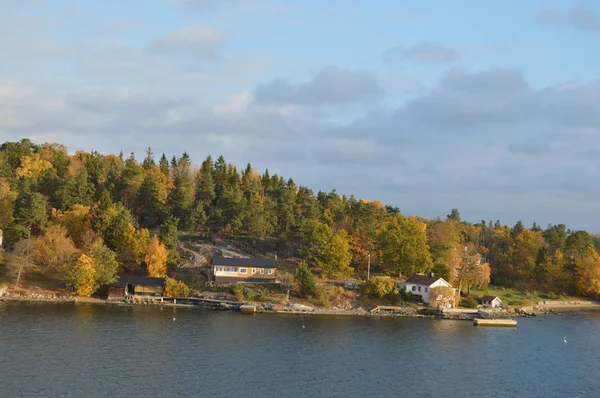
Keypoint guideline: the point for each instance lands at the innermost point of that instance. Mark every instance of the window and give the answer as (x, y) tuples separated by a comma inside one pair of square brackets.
[(243, 271), (262, 270), (253, 271), (270, 271), (414, 288), (419, 288), (425, 290)]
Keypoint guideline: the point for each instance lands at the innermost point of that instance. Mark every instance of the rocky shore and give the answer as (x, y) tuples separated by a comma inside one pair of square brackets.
[(543, 308)]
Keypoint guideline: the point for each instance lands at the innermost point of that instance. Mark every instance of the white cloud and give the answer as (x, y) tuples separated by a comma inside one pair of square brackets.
[(196, 40), (237, 103)]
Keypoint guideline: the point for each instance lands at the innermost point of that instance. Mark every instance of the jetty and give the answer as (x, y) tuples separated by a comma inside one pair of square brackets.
[(205, 302), (495, 322)]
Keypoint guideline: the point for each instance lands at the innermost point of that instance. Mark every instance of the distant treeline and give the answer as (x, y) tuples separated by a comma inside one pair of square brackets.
[(67, 213)]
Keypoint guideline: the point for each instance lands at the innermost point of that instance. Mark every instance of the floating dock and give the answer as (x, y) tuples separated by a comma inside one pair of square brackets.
[(494, 322)]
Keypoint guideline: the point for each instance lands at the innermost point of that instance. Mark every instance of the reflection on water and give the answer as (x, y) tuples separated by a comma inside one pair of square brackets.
[(100, 351)]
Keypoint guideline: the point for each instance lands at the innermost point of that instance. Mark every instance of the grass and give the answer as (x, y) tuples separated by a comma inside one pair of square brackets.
[(508, 295)]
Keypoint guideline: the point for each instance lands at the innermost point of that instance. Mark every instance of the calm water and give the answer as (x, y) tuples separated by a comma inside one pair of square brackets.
[(51, 350)]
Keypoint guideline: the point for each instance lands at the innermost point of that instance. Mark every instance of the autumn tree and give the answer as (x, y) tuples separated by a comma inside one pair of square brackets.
[(131, 247), (175, 288), (54, 249), (80, 276), (19, 260), (156, 258), (588, 276), (442, 297)]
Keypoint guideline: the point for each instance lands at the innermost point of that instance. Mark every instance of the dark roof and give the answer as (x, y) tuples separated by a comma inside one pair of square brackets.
[(245, 262), (125, 280), (422, 280), (490, 298)]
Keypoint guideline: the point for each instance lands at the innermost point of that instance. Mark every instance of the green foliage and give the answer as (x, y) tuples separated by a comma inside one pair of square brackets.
[(327, 250), (238, 291), (380, 286), (305, 280), (403, 243), (105, 264), (468, 302), (112, 199)]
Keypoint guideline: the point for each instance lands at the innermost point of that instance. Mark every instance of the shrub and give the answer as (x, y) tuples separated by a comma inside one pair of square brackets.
[(306, 280), (175, 288), (322, 296), (238, 291), (468, 302), (380, 286)]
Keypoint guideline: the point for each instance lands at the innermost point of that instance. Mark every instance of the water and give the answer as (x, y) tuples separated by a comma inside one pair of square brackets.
[(52, 350)]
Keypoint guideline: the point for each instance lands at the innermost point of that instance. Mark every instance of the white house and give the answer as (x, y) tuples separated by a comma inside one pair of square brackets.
[(420, 285), (491, 301)]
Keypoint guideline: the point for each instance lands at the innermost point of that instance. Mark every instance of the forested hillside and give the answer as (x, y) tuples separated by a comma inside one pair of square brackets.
[(84, 217)]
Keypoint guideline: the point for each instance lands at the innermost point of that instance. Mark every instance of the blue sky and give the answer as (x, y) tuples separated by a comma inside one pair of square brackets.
[(490, 107)]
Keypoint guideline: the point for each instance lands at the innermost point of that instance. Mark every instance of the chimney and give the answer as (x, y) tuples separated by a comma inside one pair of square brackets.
[(431, 274)]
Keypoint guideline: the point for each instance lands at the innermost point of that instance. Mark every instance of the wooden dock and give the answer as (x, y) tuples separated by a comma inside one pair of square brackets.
[(204, 302), (495, 322)]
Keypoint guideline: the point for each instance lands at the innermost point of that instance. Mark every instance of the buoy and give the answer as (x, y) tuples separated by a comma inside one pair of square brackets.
[(303, 326), (564, 340)]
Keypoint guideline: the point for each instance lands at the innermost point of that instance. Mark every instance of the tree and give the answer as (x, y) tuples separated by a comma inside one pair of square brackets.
[(327, 250), (131, 248), (105, 264), (156, 258), (80, 276), (76, 220), (403, 245), (588, 276), (20, 258), (30, 212), (442, 297), (454, 215), (306, 280), (361, 247), (54, 250), (7, 203)]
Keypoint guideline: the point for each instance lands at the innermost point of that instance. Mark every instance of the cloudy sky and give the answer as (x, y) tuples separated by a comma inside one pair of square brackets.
[(490, 107)]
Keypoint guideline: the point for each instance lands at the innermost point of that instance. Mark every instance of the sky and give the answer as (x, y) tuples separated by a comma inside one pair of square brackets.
[(489, 107)]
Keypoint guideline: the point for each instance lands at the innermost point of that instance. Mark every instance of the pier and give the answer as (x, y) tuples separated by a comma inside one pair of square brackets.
[(495, 322)]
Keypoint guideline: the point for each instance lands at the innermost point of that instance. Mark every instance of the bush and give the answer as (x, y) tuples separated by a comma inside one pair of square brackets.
[(306, 280), (549, 296), (322, 296), (238, 291), (468, 302), (380, 286), (175, 288)]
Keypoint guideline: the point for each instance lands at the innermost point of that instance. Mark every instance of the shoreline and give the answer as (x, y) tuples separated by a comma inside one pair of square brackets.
[(542, 308)]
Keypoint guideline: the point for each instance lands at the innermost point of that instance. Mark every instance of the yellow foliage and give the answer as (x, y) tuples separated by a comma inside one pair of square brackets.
[(175, 288), (7, 203), (81, 276), (75, 220), (156, 258), (54, 248), (32, 167)]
